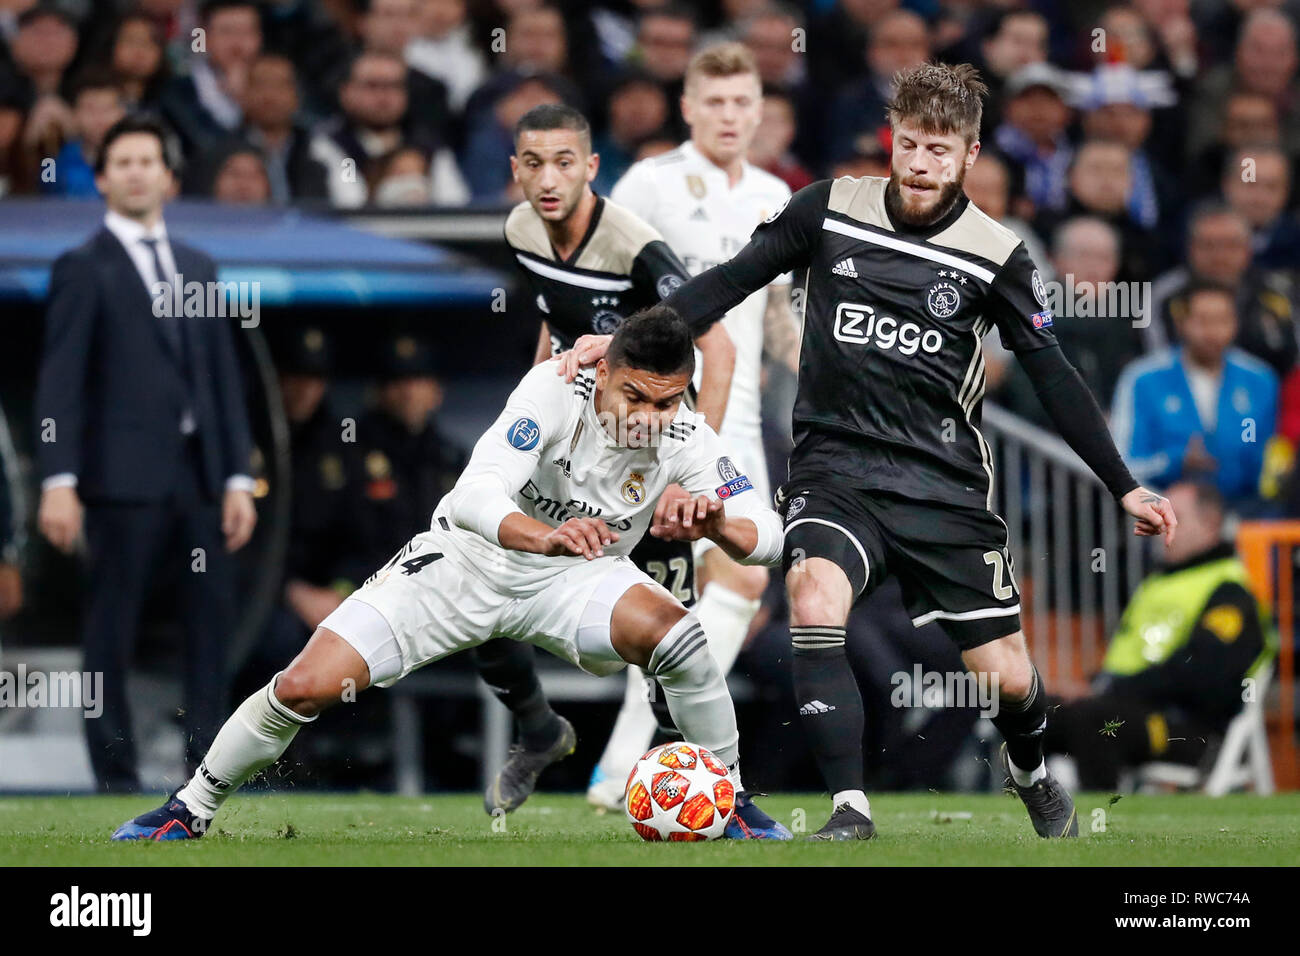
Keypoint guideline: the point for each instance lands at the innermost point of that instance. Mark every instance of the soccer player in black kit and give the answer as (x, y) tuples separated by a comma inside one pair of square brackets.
[(901, 279)]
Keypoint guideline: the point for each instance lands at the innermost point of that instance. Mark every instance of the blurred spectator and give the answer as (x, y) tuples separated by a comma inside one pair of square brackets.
[(1017, 39), (403, 179), (1100, 183), (1219, 250), (988, 185), (1116, 104), (1173, 673), (389, 26), (1264, 63), (1257, 184), (899, 40), (870, 155), (637, 109), (374, 122), (1172, 32), (770, 149), (444, 49), (1199, 409), (41, 51), (769, 32), (1035, 116), (174, 21), (317, 35), (665, 40), (270, 107), (408, 464), (14, 175), (839, 36), (239, 176), (1249, 119), (136, 57), (204, 106), (97, 104)]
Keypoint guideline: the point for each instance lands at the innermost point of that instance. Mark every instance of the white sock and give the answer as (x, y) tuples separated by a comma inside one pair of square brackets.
[(855, 799), (725, 616), (1027, 778), (633, 730), (696, 691), (255, 736)]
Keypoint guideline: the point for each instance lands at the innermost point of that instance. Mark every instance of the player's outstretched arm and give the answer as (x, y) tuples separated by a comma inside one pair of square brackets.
[(681, 516), (587, 537)]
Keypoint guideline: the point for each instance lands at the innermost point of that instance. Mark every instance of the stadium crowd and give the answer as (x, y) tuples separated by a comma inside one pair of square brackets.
[(1145, 152)]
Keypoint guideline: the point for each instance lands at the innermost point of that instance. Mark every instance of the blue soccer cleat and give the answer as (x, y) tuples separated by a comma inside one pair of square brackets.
[(172, 821), (749, 822)]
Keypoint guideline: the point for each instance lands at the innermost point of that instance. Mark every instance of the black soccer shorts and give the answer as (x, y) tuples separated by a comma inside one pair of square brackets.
[(952, 562), (670, 563)]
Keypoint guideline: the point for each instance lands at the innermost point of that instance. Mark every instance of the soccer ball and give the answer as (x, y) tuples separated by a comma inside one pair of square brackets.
[(679, 791)]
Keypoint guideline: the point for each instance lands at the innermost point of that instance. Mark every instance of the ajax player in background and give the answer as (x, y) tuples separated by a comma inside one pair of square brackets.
[(589, 263), (705, 200), (890, 473), (514, 550)]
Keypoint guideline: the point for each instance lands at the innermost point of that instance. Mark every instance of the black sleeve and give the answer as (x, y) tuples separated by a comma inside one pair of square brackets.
[(70, 319), (657, 271), (1075, 414), (1017, 304), (783, 241)]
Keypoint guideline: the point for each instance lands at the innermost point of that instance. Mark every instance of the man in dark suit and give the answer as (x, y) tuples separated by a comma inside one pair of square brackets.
[(142, 418)]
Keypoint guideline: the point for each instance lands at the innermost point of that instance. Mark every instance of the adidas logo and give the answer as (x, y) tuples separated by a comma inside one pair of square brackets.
[(845, 268), (814, 707), (699, 215)]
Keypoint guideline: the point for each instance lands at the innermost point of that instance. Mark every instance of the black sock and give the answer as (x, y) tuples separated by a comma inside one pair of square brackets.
[(830, 705), (1022, 724), (509, 669)]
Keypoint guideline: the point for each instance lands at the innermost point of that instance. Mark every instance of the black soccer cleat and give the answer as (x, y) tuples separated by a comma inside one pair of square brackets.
[(846, 824), (517, 779), (1051, 809)]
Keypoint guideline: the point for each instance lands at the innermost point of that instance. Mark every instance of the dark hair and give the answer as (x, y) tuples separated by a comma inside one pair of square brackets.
[(212, 7), (93, 78), (656, 339), (136, 123), (550, 116), (1197, 287), (940, 99)]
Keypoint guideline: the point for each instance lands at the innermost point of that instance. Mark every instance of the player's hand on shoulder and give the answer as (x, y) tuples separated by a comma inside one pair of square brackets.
[(579, 536), (1155, 515), (586, 352), (680, 516)]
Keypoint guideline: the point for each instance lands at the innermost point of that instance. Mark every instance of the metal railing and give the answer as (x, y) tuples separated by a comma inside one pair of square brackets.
[(1077, 561)]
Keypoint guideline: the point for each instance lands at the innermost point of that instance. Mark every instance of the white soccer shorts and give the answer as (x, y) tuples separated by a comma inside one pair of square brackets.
[(416, 610)]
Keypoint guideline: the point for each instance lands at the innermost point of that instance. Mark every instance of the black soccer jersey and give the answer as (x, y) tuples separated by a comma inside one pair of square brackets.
[(621, 265), (891, 373)]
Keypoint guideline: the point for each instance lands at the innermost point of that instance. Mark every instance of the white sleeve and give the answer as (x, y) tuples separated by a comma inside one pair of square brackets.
[(506, 456), (635, 190), (704, 468)]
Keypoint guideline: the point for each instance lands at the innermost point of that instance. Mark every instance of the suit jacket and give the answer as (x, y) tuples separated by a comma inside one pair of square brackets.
[(115, 388)]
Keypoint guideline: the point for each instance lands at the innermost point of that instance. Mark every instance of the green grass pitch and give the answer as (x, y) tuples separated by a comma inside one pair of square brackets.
[(916, 829)]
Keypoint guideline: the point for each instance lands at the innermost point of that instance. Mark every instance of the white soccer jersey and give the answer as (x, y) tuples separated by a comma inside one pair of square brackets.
[(706, 221), (548, 456)]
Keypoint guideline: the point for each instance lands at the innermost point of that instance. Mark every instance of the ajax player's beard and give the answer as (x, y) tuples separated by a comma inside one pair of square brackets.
[(906, 207)]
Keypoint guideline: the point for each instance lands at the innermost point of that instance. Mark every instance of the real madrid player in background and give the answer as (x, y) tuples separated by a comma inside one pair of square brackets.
[(532, 544), (890, 473), (590, 262), (705, 200)]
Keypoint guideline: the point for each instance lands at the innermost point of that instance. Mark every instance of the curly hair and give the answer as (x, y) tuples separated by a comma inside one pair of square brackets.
[(939, 99)]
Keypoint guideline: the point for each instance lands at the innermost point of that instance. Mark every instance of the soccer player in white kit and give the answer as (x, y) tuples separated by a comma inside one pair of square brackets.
[(705, 200), (532, 544)]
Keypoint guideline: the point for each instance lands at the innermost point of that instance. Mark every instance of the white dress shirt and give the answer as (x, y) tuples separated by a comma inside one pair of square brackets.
[(132, 234)]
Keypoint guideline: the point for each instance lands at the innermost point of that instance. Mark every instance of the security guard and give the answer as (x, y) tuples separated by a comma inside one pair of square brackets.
[(1178, 668), (407, 463)]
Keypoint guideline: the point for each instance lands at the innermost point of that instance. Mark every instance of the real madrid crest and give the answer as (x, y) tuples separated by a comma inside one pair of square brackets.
[(634, 489), (943, 300), (696, 186)]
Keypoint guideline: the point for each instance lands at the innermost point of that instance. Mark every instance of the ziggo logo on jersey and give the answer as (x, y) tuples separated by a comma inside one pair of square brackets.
[(858, 323)]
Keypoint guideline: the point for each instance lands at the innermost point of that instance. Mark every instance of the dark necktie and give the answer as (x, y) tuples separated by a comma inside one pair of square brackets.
[(174, 326)]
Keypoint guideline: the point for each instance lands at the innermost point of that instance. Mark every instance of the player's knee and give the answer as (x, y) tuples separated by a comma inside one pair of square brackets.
[(303, 691), (819, 593), (657, 624)]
